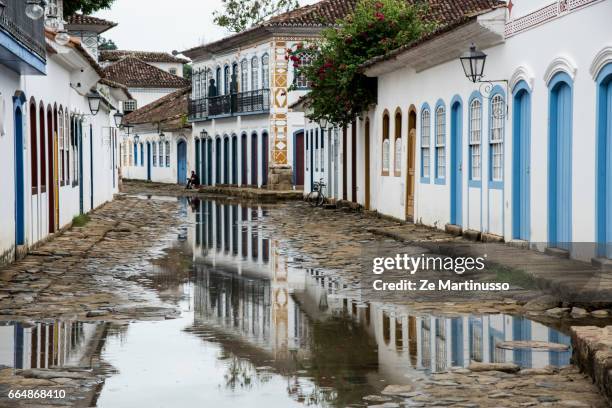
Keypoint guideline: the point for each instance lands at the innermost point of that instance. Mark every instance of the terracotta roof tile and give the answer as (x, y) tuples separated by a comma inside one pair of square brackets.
[(85, 20), (146, 56), (135, 73), (170, 111)]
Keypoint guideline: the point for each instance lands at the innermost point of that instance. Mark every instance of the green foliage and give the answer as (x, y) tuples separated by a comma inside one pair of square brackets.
[(80, 220), (106, 44), (187, 71), (339, 92), (85, 6), (238, 15)]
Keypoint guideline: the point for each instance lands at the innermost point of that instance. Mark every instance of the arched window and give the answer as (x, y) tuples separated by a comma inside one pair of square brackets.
[(386, 145), (398, 144), (60, 144), (254, 74), (43, 148), (440, 142), (425, 144), (218, 82), (244, 76), (67, 131), (265, 71), (475, 139), (316, 149), (141, 154), (154, 155), (161, 154), (228, 77), (300, 80), (135, 162), (496, 137), (33, 147), (167, 154)]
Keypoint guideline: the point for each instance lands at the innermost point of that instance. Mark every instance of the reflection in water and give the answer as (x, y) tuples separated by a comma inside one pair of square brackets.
[(45, 345)]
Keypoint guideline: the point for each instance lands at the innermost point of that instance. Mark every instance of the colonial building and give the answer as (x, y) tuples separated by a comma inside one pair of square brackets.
[(245, 133), (522, 156), (58, 139), (159, 141)]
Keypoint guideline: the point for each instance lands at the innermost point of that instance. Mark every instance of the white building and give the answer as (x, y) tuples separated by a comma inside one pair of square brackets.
[(245, 133), (159, 141), (58, 158), (524, 158)]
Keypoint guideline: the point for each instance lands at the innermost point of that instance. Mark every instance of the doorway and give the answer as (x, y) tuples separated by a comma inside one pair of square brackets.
[(298, 159), (367, 163), (50, 172), (410, 174), (20, 238), (456, 163), (181, 160), (604, 162), (521, 161), (148, 161), (264, 158)]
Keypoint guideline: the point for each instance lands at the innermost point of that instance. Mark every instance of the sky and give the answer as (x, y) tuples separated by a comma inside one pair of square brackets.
[(167, 26)]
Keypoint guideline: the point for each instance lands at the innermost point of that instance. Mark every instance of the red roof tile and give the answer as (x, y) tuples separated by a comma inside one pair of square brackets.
[(135, 73), (146, 56), (85, 20), (170, 111)]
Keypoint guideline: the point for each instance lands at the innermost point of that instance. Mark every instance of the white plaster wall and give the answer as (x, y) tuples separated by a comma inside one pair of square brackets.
[(145, 96), (159, 174)]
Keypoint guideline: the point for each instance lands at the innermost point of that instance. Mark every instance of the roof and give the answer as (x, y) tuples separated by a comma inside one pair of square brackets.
[(135, 73), (76, 44), (449, 14), (170, 111), (313, 17), (146, 56), (84, 22)]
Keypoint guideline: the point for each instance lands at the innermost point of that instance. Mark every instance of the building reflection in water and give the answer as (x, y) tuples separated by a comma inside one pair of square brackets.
[(299, 322), (45, 345)]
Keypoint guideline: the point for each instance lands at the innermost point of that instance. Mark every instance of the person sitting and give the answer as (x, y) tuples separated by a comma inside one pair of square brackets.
[(193, 181)]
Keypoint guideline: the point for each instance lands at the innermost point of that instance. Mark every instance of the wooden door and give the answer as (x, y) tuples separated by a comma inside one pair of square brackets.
[(298, 167), (410, 176), (367, 164)]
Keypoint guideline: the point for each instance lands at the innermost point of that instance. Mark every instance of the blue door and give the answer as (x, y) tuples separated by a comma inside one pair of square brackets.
[(197, 158), (218, 161), (604, 163), (19, 175), (181, 160), (456, 164), (235, 159), (148, 161), (209, 161), (81, 181), (226, 179), (560, 163), (521, 163)]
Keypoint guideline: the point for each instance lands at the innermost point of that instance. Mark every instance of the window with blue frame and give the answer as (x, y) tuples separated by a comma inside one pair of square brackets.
[(154, 155), (475, 140), (496, 138), (425, 144), (167, 154), (161, 154), (135, 154), (440, 143)]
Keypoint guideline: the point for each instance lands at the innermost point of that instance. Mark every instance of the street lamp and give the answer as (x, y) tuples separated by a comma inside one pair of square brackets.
[(128, 128), (323, 122), (136, 138), (203, 134), (162, 137), (118, 116), (94, 100), (35, 9), (473, 62)]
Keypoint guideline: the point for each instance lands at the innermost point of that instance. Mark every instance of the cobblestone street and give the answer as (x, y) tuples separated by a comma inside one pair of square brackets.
[(139, 260)]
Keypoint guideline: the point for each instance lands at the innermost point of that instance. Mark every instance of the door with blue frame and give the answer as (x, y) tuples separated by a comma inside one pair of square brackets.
[(604, 162), (521, 163), (19, 171), (181, 160), (456, 182)]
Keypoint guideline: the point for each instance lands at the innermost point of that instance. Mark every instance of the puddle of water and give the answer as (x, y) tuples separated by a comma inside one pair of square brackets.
[(257, 331)]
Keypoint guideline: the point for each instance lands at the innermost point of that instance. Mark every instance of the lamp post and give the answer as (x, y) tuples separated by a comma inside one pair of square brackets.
[(473, 63), (136, 138), (35, 9), (118, 116), (94, 100), (203, 134)]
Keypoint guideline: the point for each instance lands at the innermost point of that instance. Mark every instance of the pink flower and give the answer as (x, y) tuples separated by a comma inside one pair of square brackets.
[(379, 16), (378, 5)]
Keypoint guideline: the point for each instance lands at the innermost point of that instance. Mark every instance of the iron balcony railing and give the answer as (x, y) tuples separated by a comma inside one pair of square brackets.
[(30, 33), (230, 105)]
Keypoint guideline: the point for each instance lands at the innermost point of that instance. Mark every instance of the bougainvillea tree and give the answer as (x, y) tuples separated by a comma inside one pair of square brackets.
[(338, 91)]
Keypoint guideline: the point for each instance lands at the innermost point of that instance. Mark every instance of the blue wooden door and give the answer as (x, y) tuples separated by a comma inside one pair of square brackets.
[(560, 165), (19, 178), (521, 165), (235, 159), (456, 164), (148, 161), (181, 159), (226, 178), (604, 164), (209, 161)]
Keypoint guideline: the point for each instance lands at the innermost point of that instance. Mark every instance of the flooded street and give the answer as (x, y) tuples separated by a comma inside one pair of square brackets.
[(257, 329)]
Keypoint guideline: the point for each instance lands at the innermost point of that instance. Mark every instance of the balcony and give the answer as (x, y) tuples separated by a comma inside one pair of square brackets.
[(241, 103), (22, 40)]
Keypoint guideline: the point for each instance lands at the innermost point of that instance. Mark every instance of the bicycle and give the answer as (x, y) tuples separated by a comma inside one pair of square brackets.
[(316, 198)]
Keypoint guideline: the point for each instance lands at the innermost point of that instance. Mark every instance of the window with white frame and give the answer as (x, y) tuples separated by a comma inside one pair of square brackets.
[(167, 154), (172, 71), (300, 80), (161, 154), (307, 156), (496, 137), (440, 142), (154, 155), (475, 139), (386, 145), (228, 79), (141, 154), (67, 131), (196, 84), (130, 105), (61, 147), (397, 166), (265, 71), (244, 76), (131, 154), (316, 152), (425, 142), (254, 74)]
